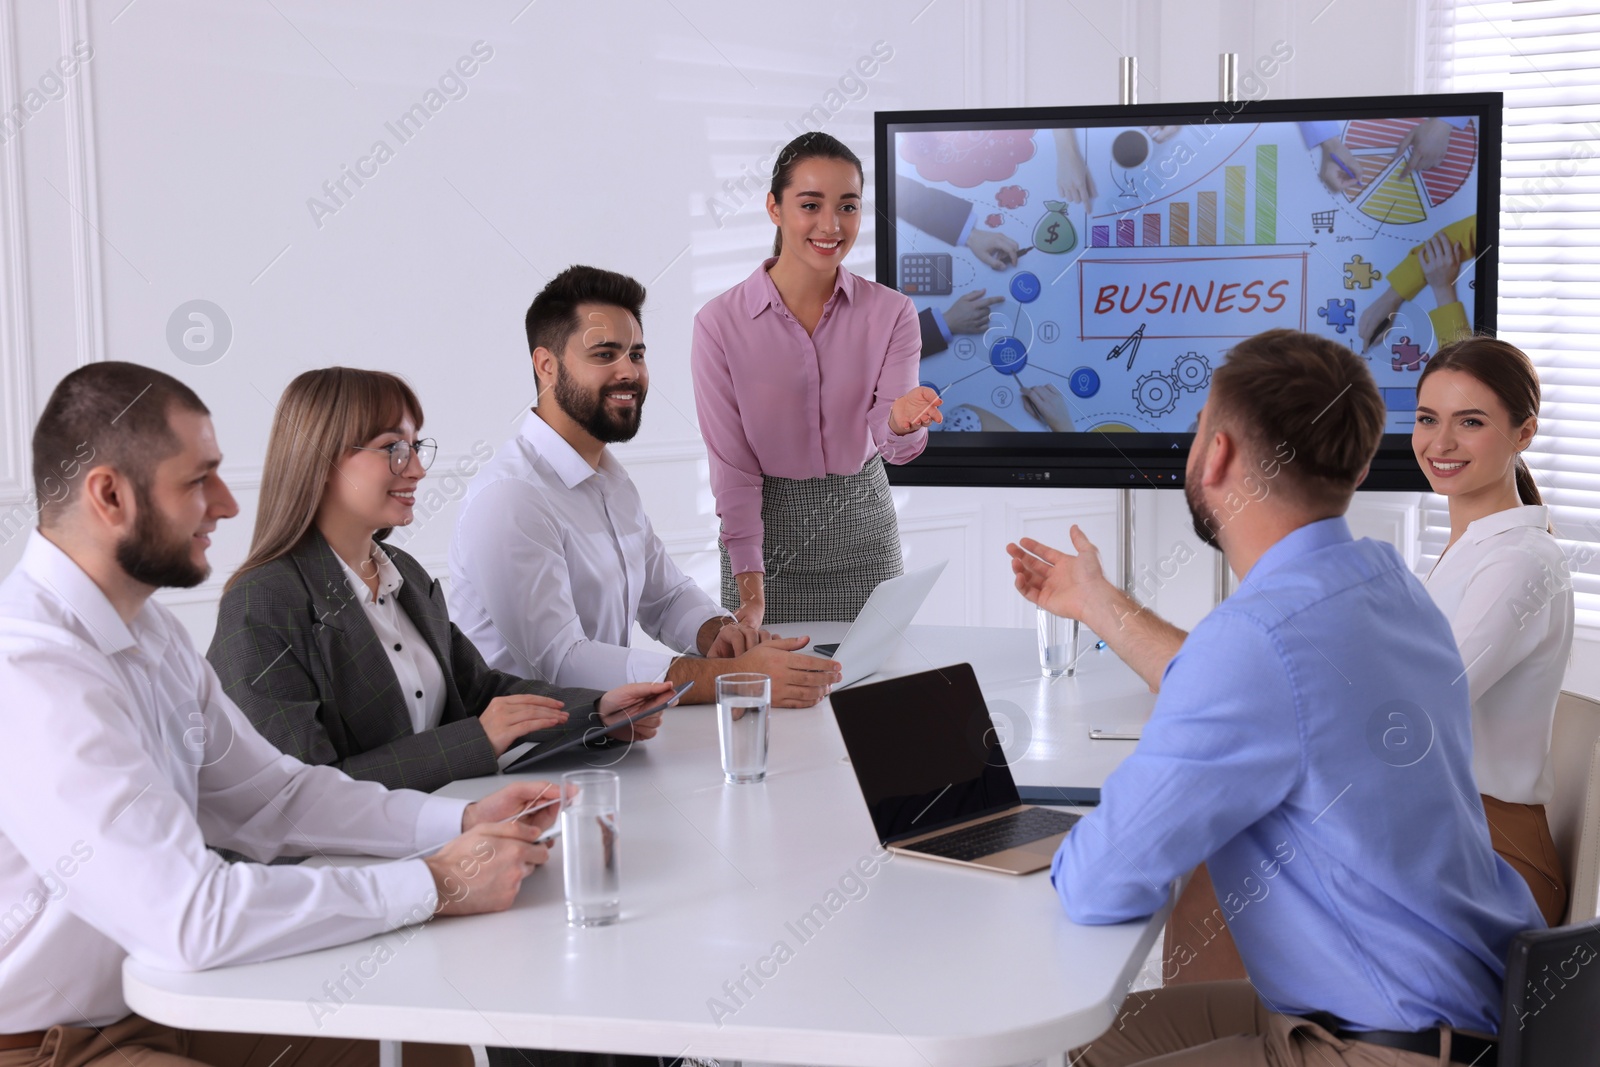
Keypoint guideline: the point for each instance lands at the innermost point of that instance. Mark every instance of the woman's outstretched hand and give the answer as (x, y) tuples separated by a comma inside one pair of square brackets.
[(915, 410)]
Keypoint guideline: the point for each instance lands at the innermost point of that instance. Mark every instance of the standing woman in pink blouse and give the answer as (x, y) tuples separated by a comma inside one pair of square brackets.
[(805, 377)]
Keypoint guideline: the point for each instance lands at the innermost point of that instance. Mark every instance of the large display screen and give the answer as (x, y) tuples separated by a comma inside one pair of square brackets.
[(1080, 273)]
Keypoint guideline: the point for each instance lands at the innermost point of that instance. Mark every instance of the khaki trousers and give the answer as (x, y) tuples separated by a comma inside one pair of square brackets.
[(1198, 947), (1225, 1024), (1520, 833), (137, 1042)]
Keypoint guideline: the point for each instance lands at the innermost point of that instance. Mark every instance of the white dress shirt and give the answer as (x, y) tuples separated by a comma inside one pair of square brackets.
[(1507, 592), (122, 759), (553, 561), (415, 666)]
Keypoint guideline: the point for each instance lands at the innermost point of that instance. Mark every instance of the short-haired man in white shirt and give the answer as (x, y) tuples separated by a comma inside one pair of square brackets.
[(554, 559), (124, 759)]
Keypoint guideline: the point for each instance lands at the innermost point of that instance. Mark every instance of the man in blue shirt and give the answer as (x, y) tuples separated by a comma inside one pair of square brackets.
[(1311, 744)]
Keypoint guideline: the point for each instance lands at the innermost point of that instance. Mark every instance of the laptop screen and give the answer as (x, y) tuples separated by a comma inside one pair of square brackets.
[(924, 751)]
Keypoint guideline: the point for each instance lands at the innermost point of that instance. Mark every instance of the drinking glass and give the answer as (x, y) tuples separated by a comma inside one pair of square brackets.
[(1058, 645), (744, 702), (589, 846)]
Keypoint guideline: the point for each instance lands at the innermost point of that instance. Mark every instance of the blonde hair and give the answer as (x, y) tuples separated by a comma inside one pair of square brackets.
[(321, 416)]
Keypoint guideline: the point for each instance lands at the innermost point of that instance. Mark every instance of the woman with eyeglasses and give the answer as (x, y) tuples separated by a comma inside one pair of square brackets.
[(339, 647)]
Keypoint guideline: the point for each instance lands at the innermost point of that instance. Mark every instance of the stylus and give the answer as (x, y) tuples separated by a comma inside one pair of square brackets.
[(1340, 163), (529, 810)]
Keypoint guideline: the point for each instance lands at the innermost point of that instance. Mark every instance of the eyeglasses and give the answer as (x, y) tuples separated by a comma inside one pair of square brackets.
[(400, 453)]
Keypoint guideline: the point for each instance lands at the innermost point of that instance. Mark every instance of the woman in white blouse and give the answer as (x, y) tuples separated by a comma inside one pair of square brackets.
[(1503, 584), (338, 646)]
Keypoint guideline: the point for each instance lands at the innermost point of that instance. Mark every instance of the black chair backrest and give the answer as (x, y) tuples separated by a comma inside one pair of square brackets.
[(1552, 998)]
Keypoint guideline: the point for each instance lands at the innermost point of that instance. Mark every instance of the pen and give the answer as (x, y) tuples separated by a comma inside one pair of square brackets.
[(1340, 164)]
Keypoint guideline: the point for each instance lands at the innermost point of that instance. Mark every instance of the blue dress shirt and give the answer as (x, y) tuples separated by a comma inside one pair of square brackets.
[(1312, 743)]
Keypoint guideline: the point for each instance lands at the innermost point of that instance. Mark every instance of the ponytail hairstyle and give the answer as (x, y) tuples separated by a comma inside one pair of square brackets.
[(811, 145), (1509, 374)]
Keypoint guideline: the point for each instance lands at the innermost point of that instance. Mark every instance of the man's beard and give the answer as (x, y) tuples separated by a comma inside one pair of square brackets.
[(152, 554), (1203, 527), (589, 409)]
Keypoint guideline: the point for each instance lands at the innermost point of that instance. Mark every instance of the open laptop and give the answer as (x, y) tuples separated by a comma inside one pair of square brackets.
[(928, 759), (881, 624)]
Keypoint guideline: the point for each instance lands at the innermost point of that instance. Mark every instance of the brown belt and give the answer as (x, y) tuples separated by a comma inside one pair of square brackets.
[(16, 1041)]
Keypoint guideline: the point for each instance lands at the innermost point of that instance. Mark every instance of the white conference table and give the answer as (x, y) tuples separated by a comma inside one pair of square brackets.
[(923, 964)]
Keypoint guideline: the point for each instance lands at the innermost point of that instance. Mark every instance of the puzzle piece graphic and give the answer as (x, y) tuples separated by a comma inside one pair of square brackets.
[(1341, 314), (1407, 356), (1359, 274)]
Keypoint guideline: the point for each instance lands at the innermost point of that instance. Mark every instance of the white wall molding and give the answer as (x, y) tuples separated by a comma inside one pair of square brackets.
[(1016, 53), (964, 572), (16, 364), (83, 191), (972, 87), (1392, 517)]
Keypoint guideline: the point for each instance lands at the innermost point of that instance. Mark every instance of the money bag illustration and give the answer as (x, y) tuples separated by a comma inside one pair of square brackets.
[(1054, 232)]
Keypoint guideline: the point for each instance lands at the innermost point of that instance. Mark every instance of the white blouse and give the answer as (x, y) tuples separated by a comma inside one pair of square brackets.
[(417, 668), (1507, 592)]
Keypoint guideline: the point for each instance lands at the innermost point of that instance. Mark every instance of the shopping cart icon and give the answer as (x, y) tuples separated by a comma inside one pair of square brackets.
[(1322, 220)]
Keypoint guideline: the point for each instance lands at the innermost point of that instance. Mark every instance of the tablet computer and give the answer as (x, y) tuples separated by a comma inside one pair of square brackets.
[(598, 729)]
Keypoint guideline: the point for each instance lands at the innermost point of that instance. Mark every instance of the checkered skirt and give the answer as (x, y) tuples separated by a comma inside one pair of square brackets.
[(828, 543)]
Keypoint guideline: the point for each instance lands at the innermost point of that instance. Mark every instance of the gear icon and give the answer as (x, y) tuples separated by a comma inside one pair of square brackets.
[(1156, 394), (1192, 371)]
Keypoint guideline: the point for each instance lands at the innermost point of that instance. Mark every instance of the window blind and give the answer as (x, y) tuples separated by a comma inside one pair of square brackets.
[(1544, 55)]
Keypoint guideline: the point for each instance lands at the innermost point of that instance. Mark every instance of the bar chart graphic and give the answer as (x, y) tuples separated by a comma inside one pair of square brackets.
[(1208, 218), (1266, 194), (1248, 212), (1233, 207), (1178, 223)]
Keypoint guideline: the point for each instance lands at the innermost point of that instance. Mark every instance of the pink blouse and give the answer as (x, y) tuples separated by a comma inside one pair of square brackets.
[(772, 400)]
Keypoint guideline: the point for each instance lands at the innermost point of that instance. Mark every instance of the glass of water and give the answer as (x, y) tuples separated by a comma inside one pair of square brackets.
[(1058, 645), (589, 847), (744, 702)]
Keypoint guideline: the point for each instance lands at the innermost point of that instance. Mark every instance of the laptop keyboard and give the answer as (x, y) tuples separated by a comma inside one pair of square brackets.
[(997, 835)]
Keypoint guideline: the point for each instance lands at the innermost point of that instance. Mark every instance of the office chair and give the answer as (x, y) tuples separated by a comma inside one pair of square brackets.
[(1551, 1014), (1574, 811)]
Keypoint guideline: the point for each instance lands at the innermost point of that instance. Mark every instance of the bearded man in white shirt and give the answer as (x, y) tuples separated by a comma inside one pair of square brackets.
[(553, 559), (124, 760)]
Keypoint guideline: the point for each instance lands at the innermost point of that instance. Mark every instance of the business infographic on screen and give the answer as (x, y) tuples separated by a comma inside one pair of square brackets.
[(1093, 279)]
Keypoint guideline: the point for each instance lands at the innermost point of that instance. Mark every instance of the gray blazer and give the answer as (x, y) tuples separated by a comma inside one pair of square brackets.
[(295, 651)]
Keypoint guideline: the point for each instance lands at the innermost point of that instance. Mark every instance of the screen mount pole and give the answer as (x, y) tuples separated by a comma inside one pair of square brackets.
[(1128, 93), (1228, 89), (1228, 77)]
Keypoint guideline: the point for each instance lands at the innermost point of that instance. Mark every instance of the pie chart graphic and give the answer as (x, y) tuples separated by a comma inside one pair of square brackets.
[(1390, 197)]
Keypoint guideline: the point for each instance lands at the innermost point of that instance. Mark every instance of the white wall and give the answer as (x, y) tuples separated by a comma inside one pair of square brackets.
[(180, 160)]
